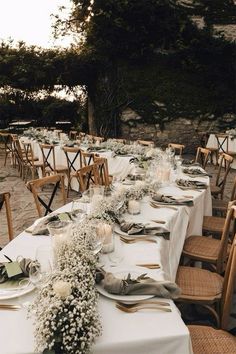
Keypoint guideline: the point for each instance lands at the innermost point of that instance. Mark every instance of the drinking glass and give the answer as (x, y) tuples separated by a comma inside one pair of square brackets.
[(60, 232), (95, 242), (117, 255), (41, 268)]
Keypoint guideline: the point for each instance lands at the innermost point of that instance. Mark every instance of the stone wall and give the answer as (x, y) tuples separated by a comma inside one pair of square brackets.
[(181, 130)]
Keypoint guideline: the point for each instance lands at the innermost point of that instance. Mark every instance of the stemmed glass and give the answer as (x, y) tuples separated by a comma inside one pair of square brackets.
[(41, 268)]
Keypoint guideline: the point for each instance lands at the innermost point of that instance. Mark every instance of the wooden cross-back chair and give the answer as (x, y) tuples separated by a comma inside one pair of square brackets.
[(49, 160), (19, 156), (35, 186), (202, 156), (6, 142), (145, 142), (5, 199), (211, 250), (73, 134), (221, 205), (177, 147), (30, 161), (74, 163), (206, 288), (101, 166), (208, 340), (87, 176), (88, 158), (217, 190), (223, 144)]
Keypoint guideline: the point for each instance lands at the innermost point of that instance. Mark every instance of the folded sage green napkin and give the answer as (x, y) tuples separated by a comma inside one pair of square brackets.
[(142, 285), (168, 199), (15, 270), (132, 228), (191, 184), (41, 227)]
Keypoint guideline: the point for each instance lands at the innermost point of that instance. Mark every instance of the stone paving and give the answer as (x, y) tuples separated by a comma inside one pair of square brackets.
[(22, 204)]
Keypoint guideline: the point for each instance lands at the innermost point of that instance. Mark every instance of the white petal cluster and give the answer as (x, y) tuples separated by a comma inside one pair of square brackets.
[(62, 288)]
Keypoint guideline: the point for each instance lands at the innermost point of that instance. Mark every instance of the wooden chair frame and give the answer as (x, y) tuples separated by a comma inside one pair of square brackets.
[(86, 176), (217, 262), (202, 156), (88, 158), (5, 199), (35, 185), (221, 179), (31, 162), (146, 142), (101, 166), (177, 147), (7, 145), (72, 155), (222, 301)]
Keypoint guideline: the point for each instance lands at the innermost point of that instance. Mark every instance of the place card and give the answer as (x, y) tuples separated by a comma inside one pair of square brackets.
[(13, 269)]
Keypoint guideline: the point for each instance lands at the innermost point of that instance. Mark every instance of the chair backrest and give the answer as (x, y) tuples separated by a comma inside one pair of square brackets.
[(230, 216), (228, 287), (177, 147), (202, 156), (145, 142), (29, 154), (73, 158), (223, 173), (17, 150), (87, 175), (73, 134), (35, 187), (88, 158), (48, 153), (101, 166), (222, 142), (233, 193), (5, 199)]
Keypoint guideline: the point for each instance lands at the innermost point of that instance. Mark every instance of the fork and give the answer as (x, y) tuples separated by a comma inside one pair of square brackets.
[(138, 307), (9, 307), (134, 240), (143, 302), (149, 265)]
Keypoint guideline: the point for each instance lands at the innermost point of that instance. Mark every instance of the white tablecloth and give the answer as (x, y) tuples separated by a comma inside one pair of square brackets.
[(138, 333), (212, 142)]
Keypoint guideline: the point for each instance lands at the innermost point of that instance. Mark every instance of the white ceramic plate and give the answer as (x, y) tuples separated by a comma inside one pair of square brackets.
[(122, 273), (8, 291)]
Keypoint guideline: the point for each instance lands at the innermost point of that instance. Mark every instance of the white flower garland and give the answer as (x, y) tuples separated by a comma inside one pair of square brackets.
[(65, 308)]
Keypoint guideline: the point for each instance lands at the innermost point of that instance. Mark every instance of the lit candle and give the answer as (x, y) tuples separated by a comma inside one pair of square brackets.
[(134, 206), (105, 230)]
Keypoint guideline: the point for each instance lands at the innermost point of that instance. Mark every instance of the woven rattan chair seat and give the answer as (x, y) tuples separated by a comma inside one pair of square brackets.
[(201, 247), (197, 283), (213, 224), (208, 340)]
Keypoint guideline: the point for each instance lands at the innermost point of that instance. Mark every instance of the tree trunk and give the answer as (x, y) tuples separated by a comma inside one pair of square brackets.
[(91, 118)]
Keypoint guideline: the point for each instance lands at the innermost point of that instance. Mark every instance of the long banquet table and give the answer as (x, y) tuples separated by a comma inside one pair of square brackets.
[(138, 333), (117, 165)]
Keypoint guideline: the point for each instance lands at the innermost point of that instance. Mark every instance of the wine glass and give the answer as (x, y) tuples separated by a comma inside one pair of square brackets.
[(95, 242), (117, 255), (41, 268)]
